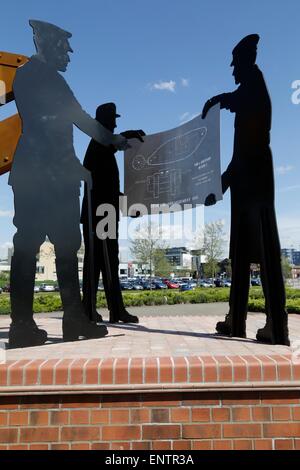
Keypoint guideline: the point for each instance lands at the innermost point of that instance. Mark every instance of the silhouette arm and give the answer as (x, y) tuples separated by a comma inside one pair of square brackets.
[(93, 128), (226, 101), (230, 101), (134, 134)]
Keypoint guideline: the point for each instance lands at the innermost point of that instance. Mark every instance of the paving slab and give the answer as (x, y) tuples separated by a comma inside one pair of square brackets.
[(164, 331)]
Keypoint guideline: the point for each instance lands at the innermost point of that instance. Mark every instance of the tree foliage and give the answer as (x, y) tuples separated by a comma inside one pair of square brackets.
[(148, 248), (213, 247)]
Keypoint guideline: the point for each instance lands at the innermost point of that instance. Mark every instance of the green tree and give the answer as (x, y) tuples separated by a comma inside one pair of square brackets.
[(145, 245), (213, 247), (286, 267), (162, 266), (4, 278)]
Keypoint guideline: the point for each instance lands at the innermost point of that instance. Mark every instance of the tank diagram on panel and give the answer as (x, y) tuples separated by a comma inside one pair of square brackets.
[(174, 150), (180, 165)]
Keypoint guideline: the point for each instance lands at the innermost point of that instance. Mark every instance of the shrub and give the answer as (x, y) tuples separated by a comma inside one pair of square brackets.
[(49, 302)]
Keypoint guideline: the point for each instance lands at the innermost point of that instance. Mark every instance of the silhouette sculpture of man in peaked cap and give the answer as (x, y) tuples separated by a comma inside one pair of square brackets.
[(254, 234), (45, 178), (101, 162)]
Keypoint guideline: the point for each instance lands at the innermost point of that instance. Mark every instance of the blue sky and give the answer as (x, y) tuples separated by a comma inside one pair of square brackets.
[(123, 48)]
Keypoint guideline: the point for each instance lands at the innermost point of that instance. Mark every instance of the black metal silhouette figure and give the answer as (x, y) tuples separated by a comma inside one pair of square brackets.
[(101, 162), (45, 178), (254, 234)]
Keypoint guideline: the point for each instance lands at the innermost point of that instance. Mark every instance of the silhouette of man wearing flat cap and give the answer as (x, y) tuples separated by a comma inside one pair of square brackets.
[(254, 234), (101, 162), (45, 178)]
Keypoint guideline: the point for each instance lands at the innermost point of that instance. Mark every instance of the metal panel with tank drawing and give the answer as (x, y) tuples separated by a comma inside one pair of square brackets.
[(181, 165)]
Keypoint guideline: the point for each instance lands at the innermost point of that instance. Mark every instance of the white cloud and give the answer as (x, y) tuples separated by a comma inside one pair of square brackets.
[(6, 213), (284, 169), (187, 116), (185, 82), (184, 116), (164, 86), (287, 189)]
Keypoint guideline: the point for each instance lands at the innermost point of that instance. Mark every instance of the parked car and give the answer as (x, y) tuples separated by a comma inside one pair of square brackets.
[(136, 286), (255, 281), (125, 285), (205, 284), (1, 290), (6, 288), (179, 282), (193, 284), (186, 287), (171, 285), (159, 285), (147, 285), (227, 283), (36, 289), (47, 288)]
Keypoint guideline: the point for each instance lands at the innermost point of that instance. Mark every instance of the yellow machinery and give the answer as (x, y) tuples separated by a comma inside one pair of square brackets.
[(10, 128)]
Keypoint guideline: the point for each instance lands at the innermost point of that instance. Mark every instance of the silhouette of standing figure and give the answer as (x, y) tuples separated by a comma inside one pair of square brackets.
[(254, 235), (45, 178), (101, 162)]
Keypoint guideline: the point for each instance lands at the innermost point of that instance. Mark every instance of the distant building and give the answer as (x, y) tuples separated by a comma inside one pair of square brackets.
[(46, 268), (4, 266), (292, 255), (179, 257)]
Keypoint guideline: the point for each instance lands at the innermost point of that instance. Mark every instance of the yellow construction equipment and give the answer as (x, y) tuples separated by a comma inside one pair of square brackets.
[(10, 128)]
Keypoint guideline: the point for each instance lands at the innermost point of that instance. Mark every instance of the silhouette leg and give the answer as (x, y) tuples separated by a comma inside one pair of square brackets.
[(23, 329), (264, 334), (239, 295), (117, 311), (235, 320), (273, 285), (87, 301), (75, 321)]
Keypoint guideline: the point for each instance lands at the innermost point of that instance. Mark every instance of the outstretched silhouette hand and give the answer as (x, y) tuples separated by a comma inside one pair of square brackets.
[(210, 200), (209, 104), (120, 142), (134, 134)]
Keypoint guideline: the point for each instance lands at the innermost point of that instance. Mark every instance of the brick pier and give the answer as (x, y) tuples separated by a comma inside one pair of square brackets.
[(168, 383)]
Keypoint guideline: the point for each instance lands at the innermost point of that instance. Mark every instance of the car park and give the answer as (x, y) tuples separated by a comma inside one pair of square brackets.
[(159, 285), (171, 285), (186, 287), (125, 285), (136, 286), (205, 284), (255, 282), (47, 288)]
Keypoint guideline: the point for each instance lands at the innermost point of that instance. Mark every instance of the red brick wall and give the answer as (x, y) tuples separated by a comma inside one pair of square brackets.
[(178, 421)]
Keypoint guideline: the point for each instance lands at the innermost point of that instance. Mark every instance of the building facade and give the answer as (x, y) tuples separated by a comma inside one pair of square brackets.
[(292, 255)]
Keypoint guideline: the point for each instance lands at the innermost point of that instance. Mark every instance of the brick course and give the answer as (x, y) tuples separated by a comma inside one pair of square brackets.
[(111, 416)]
